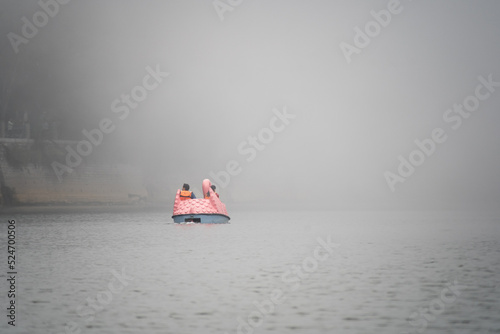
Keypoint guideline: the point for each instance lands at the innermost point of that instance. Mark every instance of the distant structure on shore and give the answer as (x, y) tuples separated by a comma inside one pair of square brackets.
[(27, 178)]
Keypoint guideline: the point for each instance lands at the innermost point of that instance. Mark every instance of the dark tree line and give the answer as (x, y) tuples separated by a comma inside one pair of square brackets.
[(32, 94)]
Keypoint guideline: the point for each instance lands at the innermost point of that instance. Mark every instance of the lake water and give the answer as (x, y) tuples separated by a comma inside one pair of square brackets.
[(266, 272)]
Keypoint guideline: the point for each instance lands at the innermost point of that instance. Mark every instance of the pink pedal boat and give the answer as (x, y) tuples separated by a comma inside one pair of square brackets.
[(200, 210)]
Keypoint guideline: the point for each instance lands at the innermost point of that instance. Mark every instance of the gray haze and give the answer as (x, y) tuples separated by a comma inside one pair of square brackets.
[(352, 120)]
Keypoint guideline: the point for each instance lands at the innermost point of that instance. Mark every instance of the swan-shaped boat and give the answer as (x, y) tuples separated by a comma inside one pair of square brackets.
[(200, 210)]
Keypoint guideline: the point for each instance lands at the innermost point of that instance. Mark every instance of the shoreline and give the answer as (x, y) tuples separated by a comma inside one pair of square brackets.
[(83, 208)]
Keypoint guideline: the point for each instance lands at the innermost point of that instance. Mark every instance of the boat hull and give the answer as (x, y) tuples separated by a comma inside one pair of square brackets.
[(200, 218)]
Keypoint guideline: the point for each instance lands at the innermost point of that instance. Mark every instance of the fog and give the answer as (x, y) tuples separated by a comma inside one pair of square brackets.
[(350, 115)]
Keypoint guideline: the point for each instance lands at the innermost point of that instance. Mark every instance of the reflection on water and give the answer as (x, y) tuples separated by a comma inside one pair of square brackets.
[(264, 272)]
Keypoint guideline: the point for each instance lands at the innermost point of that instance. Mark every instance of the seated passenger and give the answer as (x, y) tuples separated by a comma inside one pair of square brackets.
[(213, 188), (207, 195), (185, 193)]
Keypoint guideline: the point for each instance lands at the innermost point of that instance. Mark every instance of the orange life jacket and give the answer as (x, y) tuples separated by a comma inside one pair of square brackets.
[(185, 195), (207, 196)]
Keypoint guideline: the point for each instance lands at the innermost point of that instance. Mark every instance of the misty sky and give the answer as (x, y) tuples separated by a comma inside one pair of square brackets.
[(352, 120)]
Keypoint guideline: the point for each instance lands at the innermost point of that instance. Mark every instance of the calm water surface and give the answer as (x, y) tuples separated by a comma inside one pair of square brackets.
[(266, 272)]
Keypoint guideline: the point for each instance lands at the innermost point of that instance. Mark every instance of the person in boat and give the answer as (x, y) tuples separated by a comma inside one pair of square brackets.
[(213, 188), (207, 195), (185, 193)]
